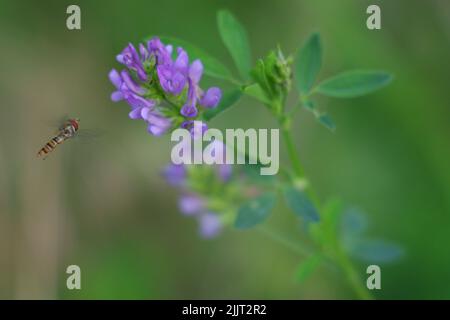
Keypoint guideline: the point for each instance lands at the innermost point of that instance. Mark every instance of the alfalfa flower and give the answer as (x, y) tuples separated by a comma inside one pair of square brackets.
[(212, 193), (161, 90)]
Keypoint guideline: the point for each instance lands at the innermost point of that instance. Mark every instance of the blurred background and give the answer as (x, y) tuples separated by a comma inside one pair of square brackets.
[(105, 207)]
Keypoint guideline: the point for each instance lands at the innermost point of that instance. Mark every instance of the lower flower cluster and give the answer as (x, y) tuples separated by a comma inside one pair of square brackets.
[(161, 90), (199, 199), (210, 193)]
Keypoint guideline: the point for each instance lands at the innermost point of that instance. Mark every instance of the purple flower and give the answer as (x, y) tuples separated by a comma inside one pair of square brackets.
[(173, 76), (161, 53), (130, 58), (116, 80), (181, 97), (171, 80), (205, 204), (225, 171), (196, 71), (129, 90), (211, 98), (210, 225), (157, 124), (191, 204), (196, 128), (175, 174)]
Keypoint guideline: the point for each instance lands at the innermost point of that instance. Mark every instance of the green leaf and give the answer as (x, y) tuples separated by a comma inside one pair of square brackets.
[(354, 83), (326, 121), (309, 61), (331, 217), (255, 211), (299, 202), (253, 173), (323, 118), (259, 74), (235, 39), (325, 233), (228, 100), (212, 67), (376, 251), (307, 267), (354, 223), (309, 105), (254, 90)]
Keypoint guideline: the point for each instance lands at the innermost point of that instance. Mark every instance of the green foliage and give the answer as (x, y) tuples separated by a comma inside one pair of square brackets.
[(353, 227), (273, 74), (260, 76), (327, 122), (375, 251), (255, 211), (334, 233), (254, 90), (307, 267), (345, 85), (212, 66), (300, 204), (325, 233), (323, 118), (253, 173), (354, 83), (353, 223), (234, 36), (228, 100), (309, 61)]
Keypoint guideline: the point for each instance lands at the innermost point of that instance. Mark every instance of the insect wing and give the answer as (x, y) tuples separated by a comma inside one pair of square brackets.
[(88, 135)]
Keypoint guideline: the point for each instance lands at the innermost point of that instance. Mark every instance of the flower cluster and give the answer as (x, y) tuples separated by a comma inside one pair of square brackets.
[(162, 91), (208, 203)]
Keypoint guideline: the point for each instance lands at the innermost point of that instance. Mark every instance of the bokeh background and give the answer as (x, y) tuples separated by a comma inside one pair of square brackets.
[(104, 206)]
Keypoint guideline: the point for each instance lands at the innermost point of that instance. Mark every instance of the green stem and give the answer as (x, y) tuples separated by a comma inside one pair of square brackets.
[(277, 237), (295, 160), (342, 260), (353, 277)]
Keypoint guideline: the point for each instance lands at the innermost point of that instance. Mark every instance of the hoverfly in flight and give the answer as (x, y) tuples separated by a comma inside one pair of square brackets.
[(66, 131)]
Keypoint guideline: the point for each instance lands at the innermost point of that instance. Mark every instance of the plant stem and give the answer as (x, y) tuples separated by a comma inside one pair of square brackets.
[(342, 260), (353, 277), (295, 160), (302, 251)]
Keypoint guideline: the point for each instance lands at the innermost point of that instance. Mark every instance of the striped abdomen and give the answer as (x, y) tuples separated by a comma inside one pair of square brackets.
[(51, 145)]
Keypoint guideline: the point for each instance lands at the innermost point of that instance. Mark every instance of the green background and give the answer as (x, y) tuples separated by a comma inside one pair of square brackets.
[(104, 206)]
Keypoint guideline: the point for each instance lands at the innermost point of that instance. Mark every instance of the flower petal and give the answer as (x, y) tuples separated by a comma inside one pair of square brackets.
[(120, 58), (182, 62), (196, 71), (189, 111), (131, 84), (190, 204), (211, 98), (143, 51), (175, 174), (155, 130), (115, 78), (135, 114), (116, 96), (210, 225), (225, 171), (158, 121)]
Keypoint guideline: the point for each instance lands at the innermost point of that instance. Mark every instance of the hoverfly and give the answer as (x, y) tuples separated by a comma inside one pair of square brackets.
[(66, 131)]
